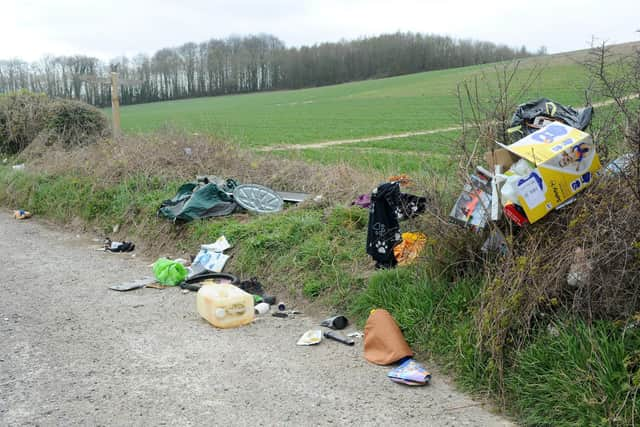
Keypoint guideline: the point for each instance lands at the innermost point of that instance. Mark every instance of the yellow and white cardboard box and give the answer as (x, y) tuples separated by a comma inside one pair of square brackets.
[(566, 162)]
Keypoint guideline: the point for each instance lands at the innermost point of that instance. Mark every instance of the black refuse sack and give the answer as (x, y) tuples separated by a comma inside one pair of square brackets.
[(522, 123)]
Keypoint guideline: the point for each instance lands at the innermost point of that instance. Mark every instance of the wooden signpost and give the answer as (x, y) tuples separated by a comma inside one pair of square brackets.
[(115, 95)]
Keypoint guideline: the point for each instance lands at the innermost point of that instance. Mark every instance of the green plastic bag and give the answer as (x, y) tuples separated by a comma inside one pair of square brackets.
[(169, 272)]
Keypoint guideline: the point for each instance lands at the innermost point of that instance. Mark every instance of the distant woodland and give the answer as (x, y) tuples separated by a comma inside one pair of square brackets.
[(247, 64)]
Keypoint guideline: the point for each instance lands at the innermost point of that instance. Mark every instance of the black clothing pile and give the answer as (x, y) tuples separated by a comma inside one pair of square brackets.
[(388, 207)]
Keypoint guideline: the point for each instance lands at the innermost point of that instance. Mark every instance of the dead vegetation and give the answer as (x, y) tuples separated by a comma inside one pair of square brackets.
[(22, 118), (176, 155), (26, 117)]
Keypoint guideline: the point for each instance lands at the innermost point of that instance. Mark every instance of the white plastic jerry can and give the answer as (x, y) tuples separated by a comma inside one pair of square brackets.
[(225, 306)]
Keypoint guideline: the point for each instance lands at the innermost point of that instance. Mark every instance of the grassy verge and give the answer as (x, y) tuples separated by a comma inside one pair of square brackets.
[(436, 316), (570, 373), (304, 250), (577, 374)]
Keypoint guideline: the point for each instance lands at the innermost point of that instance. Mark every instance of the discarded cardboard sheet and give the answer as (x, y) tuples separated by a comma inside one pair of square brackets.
[(211, 257), (566, 163), (208, 260), (499, 156)]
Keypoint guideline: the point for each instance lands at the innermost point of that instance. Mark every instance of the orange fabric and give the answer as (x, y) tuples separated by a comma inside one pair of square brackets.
[(403, 179), (384, 343), (407, 251)]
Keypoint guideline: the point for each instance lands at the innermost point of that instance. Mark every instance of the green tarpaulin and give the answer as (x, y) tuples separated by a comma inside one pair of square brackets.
[(200, 200)]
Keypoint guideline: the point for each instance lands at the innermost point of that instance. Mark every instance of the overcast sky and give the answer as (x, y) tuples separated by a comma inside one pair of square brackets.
[(109, 28)]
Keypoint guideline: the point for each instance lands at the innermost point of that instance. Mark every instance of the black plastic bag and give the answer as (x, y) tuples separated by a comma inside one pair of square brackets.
[(524, 120)]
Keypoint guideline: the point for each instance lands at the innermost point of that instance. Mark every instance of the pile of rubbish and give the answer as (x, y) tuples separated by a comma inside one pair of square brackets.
[(542, 171), (224, 301), (551, 161)]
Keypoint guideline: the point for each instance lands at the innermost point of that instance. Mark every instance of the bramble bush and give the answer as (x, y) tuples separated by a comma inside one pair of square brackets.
[(27, 116)]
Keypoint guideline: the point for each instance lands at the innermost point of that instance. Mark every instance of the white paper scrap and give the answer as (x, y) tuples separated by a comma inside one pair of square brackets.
[(311, 337), (220, 245), (209, 260), (531, 192)]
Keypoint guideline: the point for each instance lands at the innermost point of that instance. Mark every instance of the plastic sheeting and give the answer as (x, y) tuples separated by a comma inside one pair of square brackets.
[(524, 120)]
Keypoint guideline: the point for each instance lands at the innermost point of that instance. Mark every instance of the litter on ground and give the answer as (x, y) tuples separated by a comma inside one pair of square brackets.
[(410, 372), (21, 214), (339, 337), (211, 257), (311, 337), (134, 284), (210, 196), (335, 322), (384, 343), (225, 306), (409, 248), (292, 197), (169, 272), (113, 246)]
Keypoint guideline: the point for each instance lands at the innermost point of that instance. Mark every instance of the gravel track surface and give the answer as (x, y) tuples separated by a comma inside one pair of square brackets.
[(75, 353)]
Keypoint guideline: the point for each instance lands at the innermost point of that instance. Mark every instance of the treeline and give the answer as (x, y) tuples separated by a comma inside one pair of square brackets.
[(246, 64)]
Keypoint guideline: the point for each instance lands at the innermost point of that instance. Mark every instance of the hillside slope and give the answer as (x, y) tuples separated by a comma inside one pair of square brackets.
[(360, 109)]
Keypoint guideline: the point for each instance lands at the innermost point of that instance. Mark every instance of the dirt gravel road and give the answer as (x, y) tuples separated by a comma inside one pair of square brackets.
[(75, 353)]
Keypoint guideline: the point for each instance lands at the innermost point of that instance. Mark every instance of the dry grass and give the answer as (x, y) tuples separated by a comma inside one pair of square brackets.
[(175, 155), (26, 117)]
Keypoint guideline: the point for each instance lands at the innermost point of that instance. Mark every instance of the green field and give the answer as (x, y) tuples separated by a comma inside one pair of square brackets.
[(426, 153), (417, 102), (375, 107)]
